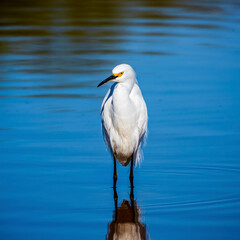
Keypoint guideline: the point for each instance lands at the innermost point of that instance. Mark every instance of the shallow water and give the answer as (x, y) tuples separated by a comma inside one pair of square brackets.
[(56, 175)]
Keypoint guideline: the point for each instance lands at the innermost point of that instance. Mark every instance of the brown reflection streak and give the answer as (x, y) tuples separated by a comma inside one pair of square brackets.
[(126, 222), (64, 34)]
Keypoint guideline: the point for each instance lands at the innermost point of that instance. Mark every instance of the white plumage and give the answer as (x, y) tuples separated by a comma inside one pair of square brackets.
[(124, 115)]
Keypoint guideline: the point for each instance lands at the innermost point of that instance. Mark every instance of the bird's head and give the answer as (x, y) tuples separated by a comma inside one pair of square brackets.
[(121, 73)]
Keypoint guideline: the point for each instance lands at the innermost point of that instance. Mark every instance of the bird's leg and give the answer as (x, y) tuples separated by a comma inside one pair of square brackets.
[(115, 173), (131, 194), (131, 173), (132, 203), (115, 201)]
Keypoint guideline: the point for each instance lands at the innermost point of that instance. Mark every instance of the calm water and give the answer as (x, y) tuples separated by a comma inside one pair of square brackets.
[(56, 175)]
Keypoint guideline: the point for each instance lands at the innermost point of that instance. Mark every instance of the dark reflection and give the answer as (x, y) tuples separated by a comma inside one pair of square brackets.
[(126, 223)]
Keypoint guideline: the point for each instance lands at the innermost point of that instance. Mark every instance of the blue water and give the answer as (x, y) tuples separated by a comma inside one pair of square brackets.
[(56, 175)]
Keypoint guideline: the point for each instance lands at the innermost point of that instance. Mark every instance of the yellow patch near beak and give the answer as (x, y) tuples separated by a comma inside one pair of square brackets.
[(118, 74)]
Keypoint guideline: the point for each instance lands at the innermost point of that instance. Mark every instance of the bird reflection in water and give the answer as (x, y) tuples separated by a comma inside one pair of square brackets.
[(126, 223)]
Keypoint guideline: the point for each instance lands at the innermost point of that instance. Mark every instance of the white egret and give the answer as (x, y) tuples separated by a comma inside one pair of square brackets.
[(124, 118)]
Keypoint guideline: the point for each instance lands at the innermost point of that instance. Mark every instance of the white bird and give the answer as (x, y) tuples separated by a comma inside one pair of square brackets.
[(124, 117)]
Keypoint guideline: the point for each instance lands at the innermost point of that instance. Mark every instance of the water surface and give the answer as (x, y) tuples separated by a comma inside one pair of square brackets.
[(56, 175)]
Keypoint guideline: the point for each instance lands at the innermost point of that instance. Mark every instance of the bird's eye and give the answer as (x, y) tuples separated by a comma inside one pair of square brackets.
[(120, 74)]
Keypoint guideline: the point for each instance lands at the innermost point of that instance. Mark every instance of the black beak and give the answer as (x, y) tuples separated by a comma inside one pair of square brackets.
[(107, 80)]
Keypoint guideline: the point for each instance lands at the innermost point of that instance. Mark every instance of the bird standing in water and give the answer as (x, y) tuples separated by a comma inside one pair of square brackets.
[(124, 118)]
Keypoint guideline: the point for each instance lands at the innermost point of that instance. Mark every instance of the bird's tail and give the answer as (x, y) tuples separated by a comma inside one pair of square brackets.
[(138, 155)]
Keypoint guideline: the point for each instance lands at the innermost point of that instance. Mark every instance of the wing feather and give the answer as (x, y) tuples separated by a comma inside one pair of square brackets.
[(106, 117), (142, 121)]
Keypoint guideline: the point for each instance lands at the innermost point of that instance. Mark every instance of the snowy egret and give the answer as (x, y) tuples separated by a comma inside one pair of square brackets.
[(124, 118)]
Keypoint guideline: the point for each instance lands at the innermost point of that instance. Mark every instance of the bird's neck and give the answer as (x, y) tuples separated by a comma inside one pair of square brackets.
[(127, 85), (122, 104)]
